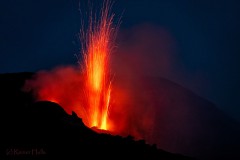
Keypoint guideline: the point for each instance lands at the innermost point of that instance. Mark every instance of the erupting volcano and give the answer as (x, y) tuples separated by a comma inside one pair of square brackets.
[(103, 100), (124, 91), (85, 89)]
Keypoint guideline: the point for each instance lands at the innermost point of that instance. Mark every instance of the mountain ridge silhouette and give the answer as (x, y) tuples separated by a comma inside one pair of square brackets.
[(186, 128)]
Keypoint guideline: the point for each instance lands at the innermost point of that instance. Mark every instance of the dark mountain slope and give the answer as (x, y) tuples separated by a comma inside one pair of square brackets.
[(183, 122), (44, 130)]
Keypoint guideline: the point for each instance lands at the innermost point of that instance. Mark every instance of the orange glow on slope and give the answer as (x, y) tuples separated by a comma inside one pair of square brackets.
[(97, 44)]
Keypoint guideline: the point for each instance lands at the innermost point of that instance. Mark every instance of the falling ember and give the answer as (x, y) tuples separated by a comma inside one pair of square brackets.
[(97, 44)]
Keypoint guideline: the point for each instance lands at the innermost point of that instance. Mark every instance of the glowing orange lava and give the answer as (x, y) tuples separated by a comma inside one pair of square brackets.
[(97, 44)]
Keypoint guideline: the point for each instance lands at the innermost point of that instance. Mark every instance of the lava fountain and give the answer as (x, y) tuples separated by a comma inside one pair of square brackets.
[(88, 88), (97, 44)]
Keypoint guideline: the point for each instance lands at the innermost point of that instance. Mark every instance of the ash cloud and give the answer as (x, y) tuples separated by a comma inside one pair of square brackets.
[(152, 50), (61, 84), (147, 56), (145, 50)]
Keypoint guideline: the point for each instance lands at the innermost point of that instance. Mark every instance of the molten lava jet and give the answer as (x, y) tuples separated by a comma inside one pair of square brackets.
[(97, 44)]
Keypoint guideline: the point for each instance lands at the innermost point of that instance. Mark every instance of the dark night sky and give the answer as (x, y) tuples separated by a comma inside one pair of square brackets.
[(42, 34)]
